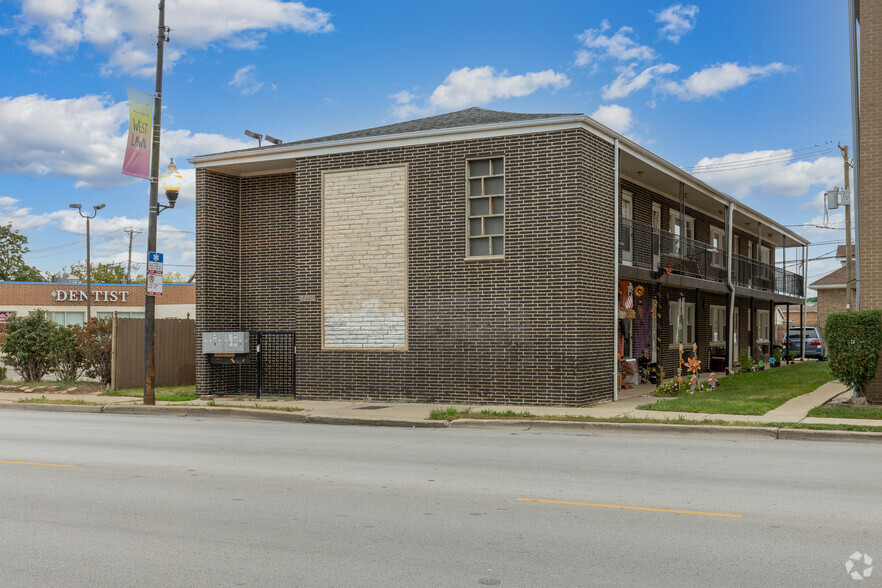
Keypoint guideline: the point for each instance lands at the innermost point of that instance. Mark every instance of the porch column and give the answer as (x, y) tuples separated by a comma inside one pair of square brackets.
[(615, 284), (730, 294), (697, 326)]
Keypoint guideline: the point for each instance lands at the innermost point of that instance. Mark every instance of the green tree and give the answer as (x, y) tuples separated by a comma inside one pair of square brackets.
[(95, 343), (102, 273), (27, 345), (65, 354), (167, 278), (13, 247)]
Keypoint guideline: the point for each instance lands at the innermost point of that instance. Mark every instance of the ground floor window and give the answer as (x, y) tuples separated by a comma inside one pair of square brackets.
[(68, 318), (762, 326), (682, 321), (718, 324)]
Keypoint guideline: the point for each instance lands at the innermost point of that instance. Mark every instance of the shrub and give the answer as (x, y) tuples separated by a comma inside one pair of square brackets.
[(26, 348), (95, 342), (65, 354), (2, 372), (672, 388), (853, 343), (746, 363)]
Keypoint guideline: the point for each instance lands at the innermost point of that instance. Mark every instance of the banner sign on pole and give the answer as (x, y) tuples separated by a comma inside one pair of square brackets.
[(154, 274), (137, 159)]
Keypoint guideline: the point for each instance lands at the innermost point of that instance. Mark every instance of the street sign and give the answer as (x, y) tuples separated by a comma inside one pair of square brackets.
[(154, 274), (154, 284), (154, 262)]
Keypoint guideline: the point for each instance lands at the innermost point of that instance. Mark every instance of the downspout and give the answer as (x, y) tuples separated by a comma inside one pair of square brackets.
[(856, 141), (616, 272), (730, 211)]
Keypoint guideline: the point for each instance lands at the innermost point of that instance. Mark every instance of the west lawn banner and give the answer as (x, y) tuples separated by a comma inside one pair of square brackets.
[(137, 160)]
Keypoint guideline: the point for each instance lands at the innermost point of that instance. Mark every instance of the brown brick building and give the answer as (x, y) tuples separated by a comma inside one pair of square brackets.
[(869, 156), (66, 302), (472, 257)]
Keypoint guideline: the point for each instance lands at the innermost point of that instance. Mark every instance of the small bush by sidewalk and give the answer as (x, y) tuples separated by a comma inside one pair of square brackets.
[(853, 343)]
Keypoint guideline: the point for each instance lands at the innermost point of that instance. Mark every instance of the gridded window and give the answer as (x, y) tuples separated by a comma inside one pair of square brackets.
[(718, 324), (486, 207), (762, 325)]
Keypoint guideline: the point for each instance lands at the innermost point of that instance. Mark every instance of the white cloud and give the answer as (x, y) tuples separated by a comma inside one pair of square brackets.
[(769, 173), (83, 139), (678, 20), (245, 80), (620, 45), (628, 82), (126, 29), (471, 86), (616, 117), (721, 78)]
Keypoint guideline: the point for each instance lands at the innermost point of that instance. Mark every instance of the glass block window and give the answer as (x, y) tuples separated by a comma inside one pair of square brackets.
[(486, 207)]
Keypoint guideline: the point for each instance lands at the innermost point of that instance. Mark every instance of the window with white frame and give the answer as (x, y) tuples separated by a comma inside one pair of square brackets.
[(762, 326), (486, 207), (718, 246), (68, 318), (674, 228), (718, 325), (682, 321)]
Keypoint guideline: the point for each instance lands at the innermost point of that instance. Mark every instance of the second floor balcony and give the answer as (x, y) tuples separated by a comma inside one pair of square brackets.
[(663, 253)]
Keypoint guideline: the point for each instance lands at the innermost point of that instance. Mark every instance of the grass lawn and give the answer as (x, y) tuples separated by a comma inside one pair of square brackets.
[(752, 393), (164, 394), (847, 412)]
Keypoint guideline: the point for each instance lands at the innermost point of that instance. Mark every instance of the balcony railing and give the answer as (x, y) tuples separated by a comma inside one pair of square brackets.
[(664, 252)]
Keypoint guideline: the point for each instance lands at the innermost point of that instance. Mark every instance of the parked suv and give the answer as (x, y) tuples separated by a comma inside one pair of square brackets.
[(814, 343)]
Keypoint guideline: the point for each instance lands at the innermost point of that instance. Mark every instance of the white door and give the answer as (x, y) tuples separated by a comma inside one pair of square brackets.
[(656, 237)]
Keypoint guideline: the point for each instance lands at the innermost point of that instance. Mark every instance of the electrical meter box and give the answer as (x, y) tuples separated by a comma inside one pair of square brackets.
[(227, 342)]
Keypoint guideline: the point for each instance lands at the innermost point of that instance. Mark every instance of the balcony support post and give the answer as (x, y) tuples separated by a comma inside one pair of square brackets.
[(616, 260), (730, 295)]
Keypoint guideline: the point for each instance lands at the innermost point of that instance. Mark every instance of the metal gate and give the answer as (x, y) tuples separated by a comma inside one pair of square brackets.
[(274, 355)]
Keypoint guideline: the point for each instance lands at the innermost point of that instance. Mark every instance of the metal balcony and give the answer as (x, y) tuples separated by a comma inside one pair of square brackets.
[(663, 252)]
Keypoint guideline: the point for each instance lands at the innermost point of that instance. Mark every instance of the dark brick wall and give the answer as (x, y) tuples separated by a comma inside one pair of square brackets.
[(217, 272), (536, 327)]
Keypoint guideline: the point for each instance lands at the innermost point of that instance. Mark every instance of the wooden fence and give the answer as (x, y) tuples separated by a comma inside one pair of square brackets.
[(175, 353)]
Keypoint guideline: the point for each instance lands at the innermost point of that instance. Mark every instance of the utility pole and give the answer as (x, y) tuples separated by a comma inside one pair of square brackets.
[(849, 296), (150, 302), (131, 231)]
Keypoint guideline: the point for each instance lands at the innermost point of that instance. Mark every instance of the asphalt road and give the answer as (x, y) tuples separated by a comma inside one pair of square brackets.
[(170, 501)]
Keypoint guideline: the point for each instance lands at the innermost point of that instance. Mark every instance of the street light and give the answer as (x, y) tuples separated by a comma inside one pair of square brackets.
[(79, 208), (171, 183)]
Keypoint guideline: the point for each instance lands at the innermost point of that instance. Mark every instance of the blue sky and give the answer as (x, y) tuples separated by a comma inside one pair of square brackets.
[(738, 83)]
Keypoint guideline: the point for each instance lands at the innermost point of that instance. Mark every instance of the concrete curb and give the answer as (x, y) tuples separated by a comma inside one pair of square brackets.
[(569, 426), (821, 435), (334, 420), (54, 407)]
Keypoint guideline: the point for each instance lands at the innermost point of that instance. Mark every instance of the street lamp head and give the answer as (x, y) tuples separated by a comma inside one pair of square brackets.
[(253, 135), (273, 140), (77, 206), (99, 207), (171, 183)]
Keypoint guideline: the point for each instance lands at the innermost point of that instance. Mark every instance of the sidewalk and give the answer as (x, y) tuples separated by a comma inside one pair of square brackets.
[(410, 414)]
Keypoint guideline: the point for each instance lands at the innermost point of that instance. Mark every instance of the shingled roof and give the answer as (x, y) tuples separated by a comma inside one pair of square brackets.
[(461, 118), (834, 278)]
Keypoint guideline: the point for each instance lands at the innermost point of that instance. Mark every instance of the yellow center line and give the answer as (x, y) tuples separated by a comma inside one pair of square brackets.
[(54, 465), (691, 512)]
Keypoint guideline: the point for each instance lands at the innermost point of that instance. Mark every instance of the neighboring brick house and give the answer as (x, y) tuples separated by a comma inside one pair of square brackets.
[(472, 257), (831, 294)]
